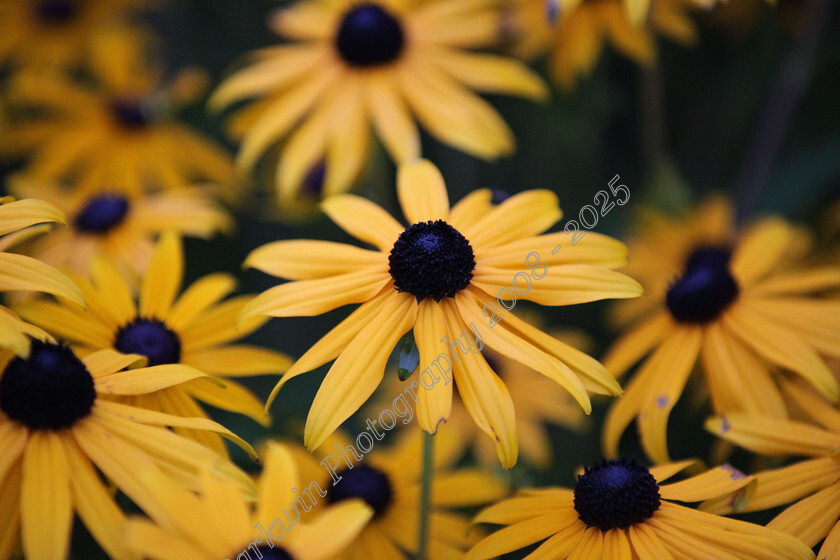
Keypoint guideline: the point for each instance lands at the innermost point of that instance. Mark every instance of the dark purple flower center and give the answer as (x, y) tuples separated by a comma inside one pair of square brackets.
[(706, 287), (51, 389), (431, 259), (366, 483), (616, 494), (276, 553), (369, 35), (150, 338), (102, 213), (56, 11), (130, 113)]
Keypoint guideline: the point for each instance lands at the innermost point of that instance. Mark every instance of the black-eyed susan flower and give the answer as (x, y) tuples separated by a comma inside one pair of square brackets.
[(195, 329), (21, 273), (620, 510), (58, 33), (576, 38), (219, 524), (379, 63), (812, 485), (435, 276), (387, 478), (119, 225), (125, 112), (736, 302), (55, 426)]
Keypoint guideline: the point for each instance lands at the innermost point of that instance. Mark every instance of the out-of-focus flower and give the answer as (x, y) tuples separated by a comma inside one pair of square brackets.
[(51, 34), (354, 65), (388, 479), (219, 523), (125, 112), (434, 277), (619, 510), (55, 426), (813, 484), (733, 300), (195, 329), (18, 220), (575, 40), (119, 225)]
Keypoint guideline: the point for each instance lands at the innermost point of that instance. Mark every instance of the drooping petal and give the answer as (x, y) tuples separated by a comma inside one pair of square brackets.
[(773, 436), (22, 273)]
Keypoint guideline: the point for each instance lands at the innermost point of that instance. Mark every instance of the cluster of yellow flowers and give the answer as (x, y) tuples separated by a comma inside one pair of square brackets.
[(108, 363)]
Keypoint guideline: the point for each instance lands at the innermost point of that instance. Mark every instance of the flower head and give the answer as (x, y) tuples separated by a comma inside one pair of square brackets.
[(55, 426), (434, 277), (381, 64), (621, 509), (728, 299), (196, 329)]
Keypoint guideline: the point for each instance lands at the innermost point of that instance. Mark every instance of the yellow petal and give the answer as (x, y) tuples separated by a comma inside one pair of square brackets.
[(19, 272), (279, 476), (343, 522), (107, 361), (434, 402), (760, 249), (149, 379), (359, 369), (237, 360), (201, 295), (637, 342), (304, 259), (363, 220), (772, 436), (46, 511), (525, 214), (20, 214), (712, 483), (232, 396), (391, 118), (422, 192), (347, 149), (317, 296), (162, 279), (470, 209)]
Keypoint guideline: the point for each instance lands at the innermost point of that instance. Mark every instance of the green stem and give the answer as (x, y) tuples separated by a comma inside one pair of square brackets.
[(425, 496)]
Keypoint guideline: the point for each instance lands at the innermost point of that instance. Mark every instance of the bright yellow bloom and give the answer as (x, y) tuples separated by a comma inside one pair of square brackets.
[(57, 33), (219, 524), (813, 484), (55, 426), (124, 113), (576, 38), (356, 65), (730, 299), (195, 329), (435, 277), (19, 273), (388, 479), (120, 226), (619, 510)]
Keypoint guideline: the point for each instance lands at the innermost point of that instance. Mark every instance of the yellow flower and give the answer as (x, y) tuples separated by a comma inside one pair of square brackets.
[(388, 480), (57, 33), (120, 226), (734, 302), (576, 39), (813, 484), (380, 63), (124, 112), (194, 329), (18, 272), (435, 276), (55, 426), (219, 524), (619, 510)]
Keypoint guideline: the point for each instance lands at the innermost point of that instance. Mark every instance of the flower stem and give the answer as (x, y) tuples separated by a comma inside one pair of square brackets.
[(425, 496)]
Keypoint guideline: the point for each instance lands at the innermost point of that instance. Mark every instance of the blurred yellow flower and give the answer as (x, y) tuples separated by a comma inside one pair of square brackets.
[(388, 480), (813, 484), (733, 300), (353, 65), (50, 34), (575, 40), (435, 277), (54, 427), (119, 225), (621, 511), (195, 329), (123, 112), (219, 524), (21, 273)]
